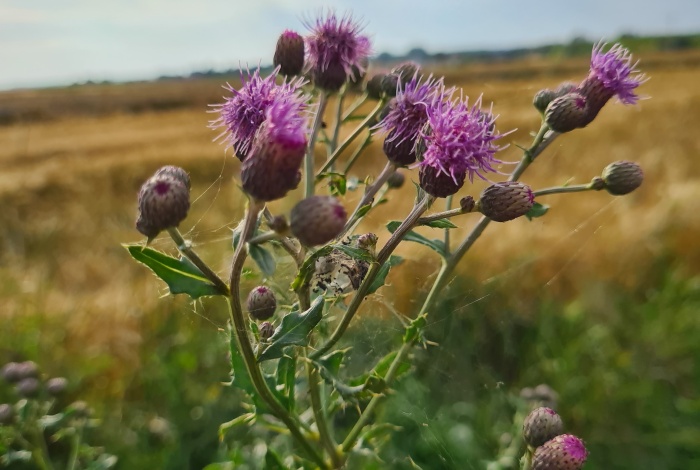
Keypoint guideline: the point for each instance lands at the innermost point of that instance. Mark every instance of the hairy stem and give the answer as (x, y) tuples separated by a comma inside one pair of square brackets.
[(358, 151), (240, 331), (564, 189), (185, 248), (309, 166)]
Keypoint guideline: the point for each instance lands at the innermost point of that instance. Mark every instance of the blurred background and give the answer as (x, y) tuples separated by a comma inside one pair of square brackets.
[(599, 299)]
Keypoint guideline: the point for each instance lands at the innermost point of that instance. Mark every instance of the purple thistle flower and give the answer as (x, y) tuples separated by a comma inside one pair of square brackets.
[(408, 115), (242, 114), (334, 47), (615, 71), (460, 140)]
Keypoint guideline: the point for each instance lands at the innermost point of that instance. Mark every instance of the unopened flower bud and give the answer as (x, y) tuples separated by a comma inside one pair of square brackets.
[(7, 414), (28, 369), (506, 201), (542, 99), (545, 395), (163, 203), (564, 452), (541, 425), (466, 204), (279, 224), (567, 113), (564, 89), (622, 177), (267, 329), (330, 78), (398, 77), (438, 183), (374, 86), (395, 180), (289, 53), (261, 303), (11, 372), (399, 152), (175, 172), (28, 388), (597, 183), (56, 386), (317, 220), (79, 409)]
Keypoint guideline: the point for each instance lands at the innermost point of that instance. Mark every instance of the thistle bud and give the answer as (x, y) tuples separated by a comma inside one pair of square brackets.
[(279, 224), (267, 329), (541, 425), (79, 409), (374, 86), (289, 53), (597, 183), (7, 414), (564, 452), (317, 220), (163, 203), (175, 172), (261, 303), (395, 180), (567, 113), (466, 204), (622, 177), (11, 372), (506, 201), (27, 369), (56, 386), (330, 78), (398, 77), (438, 183), (28, 388), (542, 99), (564, 89), (399, 152), (545, 395)]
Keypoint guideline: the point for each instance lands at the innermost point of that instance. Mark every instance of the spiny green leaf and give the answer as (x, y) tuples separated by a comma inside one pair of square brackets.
[(286, 377), (181, 276), (537, 210), (411, 236), (294, 330), (440, 223), (383, 272), (263, 258), (308, 267)]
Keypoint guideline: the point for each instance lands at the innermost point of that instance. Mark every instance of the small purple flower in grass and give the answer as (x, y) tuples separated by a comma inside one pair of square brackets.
[(459, 141), (408, 115), (333, 48), (242, 114)]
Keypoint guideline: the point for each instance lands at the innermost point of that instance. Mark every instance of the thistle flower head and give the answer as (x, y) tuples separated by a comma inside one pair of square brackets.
[(460, 140), (242, 114), (334, 46), (566, 452), (616, 71)]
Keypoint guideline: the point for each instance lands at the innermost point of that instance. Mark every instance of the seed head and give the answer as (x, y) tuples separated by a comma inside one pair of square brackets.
[(334, 46), (7, 414), (242, 114), (267, 329), (56, 386), (566, 113), (289, 53), (317, 220), (28, 388), (261, 303), (506, 201), (175, 172), (163, 203), (622, 177), (272, 166), (541, 425), (564, 452)]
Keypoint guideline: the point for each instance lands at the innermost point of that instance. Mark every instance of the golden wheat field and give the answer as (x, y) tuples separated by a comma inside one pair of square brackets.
[(72, 162)]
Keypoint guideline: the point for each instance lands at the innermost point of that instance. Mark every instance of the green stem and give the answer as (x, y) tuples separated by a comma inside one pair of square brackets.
[(240, 331), (320, 416), (441, 215), (564, 189), (75, 449), (368, 197), (446, 237), (341, 148), (264, 237), (382, 257), (358, 151), (338, 122), (353, 107), (309, 167), (40, 452), (185, 248)]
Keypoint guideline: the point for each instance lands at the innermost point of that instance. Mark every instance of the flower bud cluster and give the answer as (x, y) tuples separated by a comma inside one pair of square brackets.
[(543, 431)]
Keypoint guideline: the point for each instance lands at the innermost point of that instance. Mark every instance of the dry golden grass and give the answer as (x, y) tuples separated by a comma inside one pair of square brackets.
[(68, 190)]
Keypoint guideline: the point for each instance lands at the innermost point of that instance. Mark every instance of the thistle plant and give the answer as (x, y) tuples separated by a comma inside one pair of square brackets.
[(288, 359)]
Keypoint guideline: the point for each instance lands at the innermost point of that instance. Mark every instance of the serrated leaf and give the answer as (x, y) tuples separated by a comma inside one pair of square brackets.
[(411, 236), (537, 210), (263, 258), (383, 272), (294, 330), (181, 276), (286, 377), (440, 223)]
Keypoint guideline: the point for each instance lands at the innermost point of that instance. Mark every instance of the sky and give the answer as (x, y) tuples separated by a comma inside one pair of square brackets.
[(54, 42)]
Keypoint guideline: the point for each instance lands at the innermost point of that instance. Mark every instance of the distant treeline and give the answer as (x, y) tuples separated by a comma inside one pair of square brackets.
[(578, 46)]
